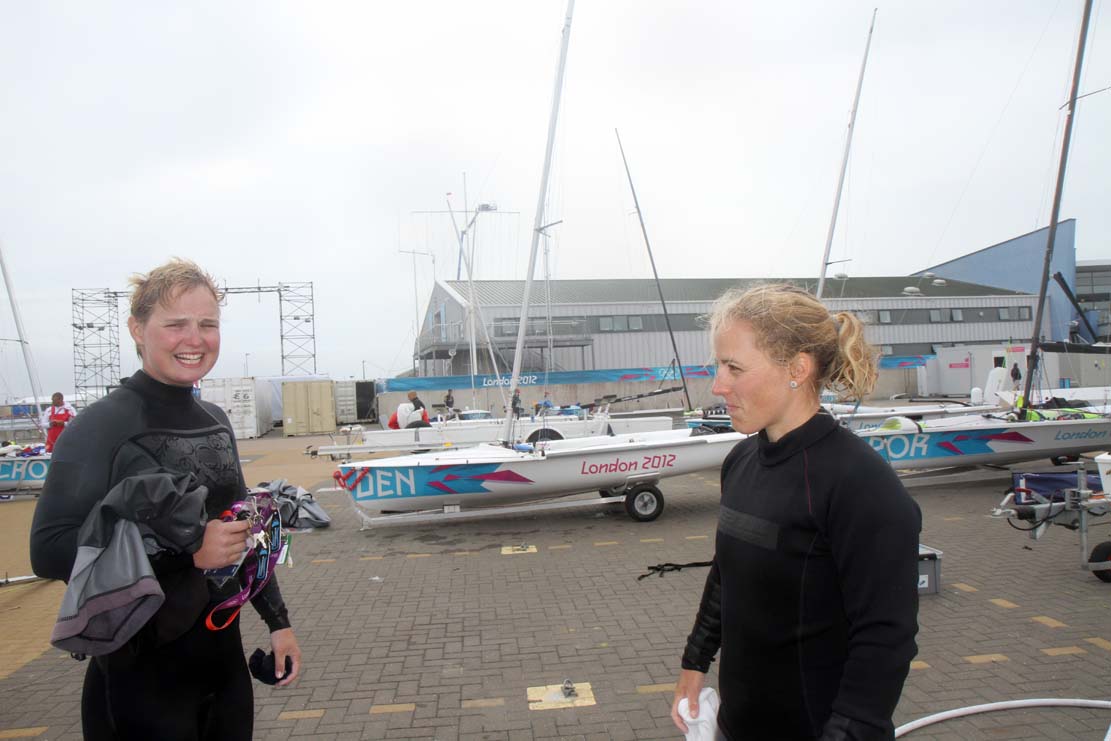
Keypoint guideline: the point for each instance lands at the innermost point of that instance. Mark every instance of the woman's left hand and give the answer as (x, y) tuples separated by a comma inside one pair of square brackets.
[(284, 644)]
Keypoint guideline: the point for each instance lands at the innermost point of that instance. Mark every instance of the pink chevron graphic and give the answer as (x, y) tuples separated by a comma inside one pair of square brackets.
[(440, 487), (451, 477), (636, 376), (445, 467), (950, 447), (702, 372), (1010, 437), (503, 476), (961, 438)]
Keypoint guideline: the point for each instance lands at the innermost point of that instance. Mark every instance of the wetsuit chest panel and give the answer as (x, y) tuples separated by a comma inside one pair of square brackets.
[(208, 453)]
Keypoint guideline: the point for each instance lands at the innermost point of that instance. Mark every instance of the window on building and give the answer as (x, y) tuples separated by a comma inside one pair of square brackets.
[(605, 324), (1004, 313), (636, 323), (1024, 312), (937, 315), (958, 315), (885, 316), (621, 324), (887, 350)]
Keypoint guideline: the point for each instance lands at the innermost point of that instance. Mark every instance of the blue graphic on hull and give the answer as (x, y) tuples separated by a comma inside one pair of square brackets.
[(426, 481)]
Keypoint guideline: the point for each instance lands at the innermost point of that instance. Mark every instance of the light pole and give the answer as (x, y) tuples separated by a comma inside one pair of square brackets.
[(246, 372), (364, 370)]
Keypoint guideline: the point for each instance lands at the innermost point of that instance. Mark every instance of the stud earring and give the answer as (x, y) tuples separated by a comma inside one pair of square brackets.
[(794, 384)]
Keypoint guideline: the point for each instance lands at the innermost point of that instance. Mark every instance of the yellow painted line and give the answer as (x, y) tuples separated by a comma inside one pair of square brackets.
[(1004, 603), (649, 689), (952, 519), (323, 560), (965, 587), (371, 558), (489, 702), (510, 550), (558, 547), (404, 707), (465, 553), (550, 697), (1101, 642), (603, 645), (601, 543), (986, 659), (651, 540), (919, 665), (24, 732), (697, 537), (418, 555), (299, 714), (1048, 622), (1064, 651)]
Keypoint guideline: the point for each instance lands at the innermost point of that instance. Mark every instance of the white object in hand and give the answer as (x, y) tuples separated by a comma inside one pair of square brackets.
[(704, 727)]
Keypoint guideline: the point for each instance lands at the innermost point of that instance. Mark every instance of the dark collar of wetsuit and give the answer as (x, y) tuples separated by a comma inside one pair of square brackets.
[(800, 438), (162, 392)]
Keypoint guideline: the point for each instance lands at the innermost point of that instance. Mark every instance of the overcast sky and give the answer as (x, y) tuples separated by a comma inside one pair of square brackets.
[(297, 141)]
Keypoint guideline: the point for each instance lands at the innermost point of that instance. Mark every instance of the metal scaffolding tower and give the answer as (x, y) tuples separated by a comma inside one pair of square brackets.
[(96, 334), (96, 342)]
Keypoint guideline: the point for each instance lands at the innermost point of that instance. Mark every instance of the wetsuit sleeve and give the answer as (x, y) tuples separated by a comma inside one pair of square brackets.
[(79, 476), (705, 638), (873, 527)]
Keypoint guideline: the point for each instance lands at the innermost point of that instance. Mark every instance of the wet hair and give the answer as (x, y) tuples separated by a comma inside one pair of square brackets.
[(787, 321), (165, 283)]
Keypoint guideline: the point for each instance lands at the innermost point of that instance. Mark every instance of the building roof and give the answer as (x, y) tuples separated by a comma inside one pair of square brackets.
[(642, 290)]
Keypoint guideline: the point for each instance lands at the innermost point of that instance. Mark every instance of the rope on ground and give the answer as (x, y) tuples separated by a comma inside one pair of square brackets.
[(662, 568)]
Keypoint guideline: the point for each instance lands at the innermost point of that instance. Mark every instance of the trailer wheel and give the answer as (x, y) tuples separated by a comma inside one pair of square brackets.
[(544, 434), (1064, 460), (644, 503), (1101, 554)]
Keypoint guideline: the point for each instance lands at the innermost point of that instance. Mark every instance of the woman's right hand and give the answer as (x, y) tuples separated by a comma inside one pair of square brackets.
[(223, 544), (688, 686)]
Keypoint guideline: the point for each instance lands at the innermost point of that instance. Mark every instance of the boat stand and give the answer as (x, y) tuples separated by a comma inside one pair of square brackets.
[(1076, 512)]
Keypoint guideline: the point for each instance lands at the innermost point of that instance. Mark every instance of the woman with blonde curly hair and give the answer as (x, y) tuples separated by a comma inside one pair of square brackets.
[(812, 596)]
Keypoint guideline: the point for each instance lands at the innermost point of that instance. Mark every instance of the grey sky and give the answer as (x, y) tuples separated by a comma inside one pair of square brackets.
[(288, 141)]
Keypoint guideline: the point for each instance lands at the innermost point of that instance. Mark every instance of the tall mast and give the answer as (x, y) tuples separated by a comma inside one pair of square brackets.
[(844, 162), (1032, 359), (539, 224), (30, 365), (655, 274)]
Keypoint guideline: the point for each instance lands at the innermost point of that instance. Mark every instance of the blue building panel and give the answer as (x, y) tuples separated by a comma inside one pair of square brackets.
[(1017, 265)]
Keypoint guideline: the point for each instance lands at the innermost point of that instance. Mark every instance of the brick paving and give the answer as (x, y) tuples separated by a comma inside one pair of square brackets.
[(430, 632)]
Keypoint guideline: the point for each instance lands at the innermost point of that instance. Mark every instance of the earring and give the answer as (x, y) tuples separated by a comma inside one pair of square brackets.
[(794, 384)]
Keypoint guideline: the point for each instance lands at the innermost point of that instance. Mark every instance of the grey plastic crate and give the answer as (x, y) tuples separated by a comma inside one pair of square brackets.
[(929, 569)]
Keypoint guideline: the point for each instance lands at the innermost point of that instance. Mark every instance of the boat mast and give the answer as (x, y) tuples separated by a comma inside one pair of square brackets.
[(538, 223), (1032, 358), (655, 273), (22, 337), (844, 162)]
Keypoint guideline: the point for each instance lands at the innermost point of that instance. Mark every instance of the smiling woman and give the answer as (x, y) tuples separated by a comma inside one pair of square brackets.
[(172, 673)]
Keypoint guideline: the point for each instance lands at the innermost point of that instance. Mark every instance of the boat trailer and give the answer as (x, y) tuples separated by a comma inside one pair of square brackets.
[(1039, 500)]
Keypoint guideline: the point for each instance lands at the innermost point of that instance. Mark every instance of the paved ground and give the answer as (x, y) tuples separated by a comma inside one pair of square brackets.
[(431, 632)]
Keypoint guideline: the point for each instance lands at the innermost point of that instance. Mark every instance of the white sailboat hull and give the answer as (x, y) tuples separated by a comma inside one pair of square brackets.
[(974, 440), (488, 475), (461, 433), (23, 473)]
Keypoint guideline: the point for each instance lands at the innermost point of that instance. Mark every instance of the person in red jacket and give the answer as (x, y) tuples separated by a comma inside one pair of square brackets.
[(55, 419)]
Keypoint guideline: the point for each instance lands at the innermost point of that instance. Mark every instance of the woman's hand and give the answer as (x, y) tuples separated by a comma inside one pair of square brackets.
[(223, 544), (688, 686), (284, 644)]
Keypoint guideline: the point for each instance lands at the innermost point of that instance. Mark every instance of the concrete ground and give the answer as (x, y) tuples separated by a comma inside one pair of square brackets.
[(462, 630)]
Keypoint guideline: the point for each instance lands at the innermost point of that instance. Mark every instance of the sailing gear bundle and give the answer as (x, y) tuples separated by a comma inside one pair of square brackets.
[(256, 566), (296, 506)]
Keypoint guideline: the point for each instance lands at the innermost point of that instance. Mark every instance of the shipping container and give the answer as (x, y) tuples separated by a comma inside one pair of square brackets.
[(246, 401), (365, 408), (345, 403), (309, 408)]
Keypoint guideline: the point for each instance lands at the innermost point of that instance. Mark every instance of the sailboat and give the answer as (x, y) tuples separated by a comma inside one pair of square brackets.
[(623, 467), (1026, 433)]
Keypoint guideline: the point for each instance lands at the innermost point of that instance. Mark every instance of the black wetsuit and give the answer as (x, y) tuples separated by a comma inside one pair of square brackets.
[(812, 596), (176, 679)]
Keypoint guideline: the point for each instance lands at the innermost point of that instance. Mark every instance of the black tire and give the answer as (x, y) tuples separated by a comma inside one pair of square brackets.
[(544, 434), (1101, 554), (1064, 460), (644, 503)]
